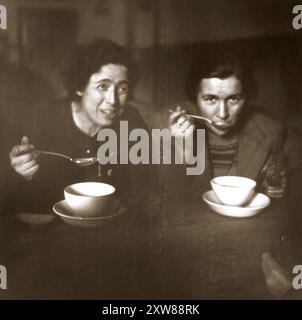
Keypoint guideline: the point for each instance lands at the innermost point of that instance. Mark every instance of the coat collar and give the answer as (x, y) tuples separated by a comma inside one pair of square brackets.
[(254, 144)]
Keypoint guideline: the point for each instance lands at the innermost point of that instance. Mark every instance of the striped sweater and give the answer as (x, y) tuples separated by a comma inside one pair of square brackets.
[(273, 181)]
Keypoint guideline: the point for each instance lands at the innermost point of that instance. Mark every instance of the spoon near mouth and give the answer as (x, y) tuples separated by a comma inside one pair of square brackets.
[(79, 161), (200, 118), (196, 117), (217, 124)]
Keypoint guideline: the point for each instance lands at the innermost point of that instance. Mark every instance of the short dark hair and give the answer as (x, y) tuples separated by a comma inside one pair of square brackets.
[(219, 65), (88, 59)]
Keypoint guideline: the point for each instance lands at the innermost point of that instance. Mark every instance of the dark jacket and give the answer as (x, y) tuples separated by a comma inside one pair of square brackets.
[(51, 128), (260, 137)]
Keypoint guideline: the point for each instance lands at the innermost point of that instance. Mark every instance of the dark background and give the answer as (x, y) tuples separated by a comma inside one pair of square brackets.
[(164, 35)]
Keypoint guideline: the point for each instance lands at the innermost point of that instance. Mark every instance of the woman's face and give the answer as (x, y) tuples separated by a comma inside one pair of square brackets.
[(222, 101), (105, 95)]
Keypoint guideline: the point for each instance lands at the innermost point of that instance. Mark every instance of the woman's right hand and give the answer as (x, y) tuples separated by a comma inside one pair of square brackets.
[(179, 124), (23, 159)]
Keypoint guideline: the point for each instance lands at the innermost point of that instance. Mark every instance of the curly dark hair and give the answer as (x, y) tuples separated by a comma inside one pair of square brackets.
[(89, 58), (219, 65)]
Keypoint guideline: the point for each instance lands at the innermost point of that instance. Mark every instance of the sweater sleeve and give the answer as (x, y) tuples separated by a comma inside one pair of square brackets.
[(275, 171)]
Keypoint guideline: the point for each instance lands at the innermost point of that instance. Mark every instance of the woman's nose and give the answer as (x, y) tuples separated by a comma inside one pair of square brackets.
[(111, 96), (223, 111)]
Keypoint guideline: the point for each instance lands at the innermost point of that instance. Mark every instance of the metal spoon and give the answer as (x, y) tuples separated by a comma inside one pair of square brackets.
[(196, 117), (217, 124), (79, 161), (200, 118)]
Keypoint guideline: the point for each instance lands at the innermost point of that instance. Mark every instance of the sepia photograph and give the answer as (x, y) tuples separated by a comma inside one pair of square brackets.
[(150, 150)]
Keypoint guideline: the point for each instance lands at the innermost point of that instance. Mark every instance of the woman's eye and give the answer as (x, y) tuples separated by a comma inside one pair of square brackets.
[(103, 86), (234, 99), (210, 100), (123, 89)]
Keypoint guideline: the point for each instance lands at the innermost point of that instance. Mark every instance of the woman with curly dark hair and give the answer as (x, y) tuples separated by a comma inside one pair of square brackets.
[(100, 79)]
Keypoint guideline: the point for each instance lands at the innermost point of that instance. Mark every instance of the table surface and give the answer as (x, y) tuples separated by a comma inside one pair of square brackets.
[(188, 253)]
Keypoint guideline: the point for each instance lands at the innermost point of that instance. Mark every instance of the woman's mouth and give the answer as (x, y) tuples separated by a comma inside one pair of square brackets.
[(221, 125), (109, 114)]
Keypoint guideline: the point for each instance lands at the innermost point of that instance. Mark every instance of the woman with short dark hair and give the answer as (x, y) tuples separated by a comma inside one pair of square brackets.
[(241, 139), (100, 78), (88, 58)]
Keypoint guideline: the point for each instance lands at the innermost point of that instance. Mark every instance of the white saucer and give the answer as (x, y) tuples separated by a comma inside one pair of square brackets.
[(258, 203), (62, 209)]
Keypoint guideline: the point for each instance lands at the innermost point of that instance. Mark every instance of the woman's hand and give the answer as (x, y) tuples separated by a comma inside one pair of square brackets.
[(182, 127), (23, 159), (179, 124)]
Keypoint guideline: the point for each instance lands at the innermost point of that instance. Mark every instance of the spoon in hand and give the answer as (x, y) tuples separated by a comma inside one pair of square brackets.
[(79, 161), (217, 124), (196, 117)]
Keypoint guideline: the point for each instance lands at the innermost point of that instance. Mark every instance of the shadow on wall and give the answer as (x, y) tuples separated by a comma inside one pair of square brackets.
[(276, 66), (20, 91), (275, 63)]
